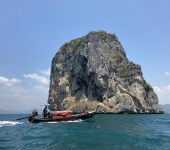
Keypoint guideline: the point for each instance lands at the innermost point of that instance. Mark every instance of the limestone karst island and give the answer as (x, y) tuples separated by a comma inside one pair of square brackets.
[(94, 69)]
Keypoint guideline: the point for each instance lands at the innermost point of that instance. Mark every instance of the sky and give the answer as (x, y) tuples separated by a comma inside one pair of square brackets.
[(31, 32)]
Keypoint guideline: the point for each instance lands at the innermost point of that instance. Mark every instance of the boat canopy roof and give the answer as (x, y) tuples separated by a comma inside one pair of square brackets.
[(45, 105), (60, 112)]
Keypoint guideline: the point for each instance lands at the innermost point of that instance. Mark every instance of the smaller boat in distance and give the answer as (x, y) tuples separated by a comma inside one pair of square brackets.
[(56, 116)]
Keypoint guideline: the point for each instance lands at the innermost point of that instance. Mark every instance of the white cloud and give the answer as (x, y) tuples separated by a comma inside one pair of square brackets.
[(41, 88), (3, 80), (47, 72), (157, 89), (14, 96), (163, 94), (9, 82), (38, 78), (20, 98), (167, 73)]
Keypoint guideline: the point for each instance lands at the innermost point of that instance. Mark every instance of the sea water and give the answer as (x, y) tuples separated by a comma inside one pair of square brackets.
[(102, 132)]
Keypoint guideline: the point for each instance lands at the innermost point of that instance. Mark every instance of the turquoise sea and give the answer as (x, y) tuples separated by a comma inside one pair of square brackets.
[(102, 132)]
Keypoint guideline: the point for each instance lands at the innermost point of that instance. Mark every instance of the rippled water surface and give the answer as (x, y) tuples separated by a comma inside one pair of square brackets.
[(103, 132)]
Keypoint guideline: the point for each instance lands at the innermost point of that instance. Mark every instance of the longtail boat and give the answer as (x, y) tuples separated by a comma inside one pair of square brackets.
[(57, 116)]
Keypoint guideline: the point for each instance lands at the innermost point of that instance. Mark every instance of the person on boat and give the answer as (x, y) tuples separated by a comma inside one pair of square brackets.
[(45, 112), (49, 115), (34, 113)]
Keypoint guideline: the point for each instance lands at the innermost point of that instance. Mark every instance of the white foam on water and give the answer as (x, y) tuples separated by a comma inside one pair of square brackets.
[(9, 123), (66, 121), (75, 121), (52, 122)]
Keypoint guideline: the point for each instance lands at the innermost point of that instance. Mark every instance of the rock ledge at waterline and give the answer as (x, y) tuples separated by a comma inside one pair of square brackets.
[(94, 69)]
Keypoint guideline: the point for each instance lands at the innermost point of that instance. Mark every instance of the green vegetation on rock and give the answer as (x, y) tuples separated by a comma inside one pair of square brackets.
[(123, 71), (118, 58), (83, 105), (73, 43), (101, 34), (147, 86)]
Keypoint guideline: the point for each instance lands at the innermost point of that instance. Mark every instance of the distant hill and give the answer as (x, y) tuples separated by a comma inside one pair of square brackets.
[(166, 107), (20, 111)]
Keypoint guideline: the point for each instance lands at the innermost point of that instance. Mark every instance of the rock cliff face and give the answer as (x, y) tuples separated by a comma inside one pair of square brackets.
[(95, 68)]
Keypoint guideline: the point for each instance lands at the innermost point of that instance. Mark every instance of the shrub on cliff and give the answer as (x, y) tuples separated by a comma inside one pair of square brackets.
[(83, 105)]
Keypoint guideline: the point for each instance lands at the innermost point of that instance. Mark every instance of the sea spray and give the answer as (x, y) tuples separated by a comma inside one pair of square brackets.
[(9, 123)]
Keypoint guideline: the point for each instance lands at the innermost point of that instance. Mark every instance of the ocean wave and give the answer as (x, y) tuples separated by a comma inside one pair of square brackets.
[(9, 123)]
